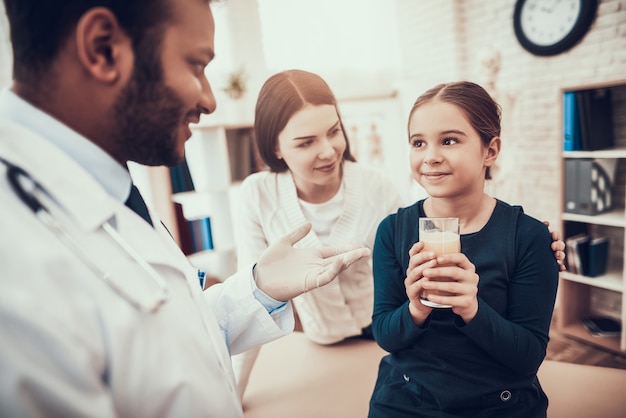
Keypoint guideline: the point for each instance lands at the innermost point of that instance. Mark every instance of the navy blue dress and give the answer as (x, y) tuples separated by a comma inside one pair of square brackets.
[(487, 368)]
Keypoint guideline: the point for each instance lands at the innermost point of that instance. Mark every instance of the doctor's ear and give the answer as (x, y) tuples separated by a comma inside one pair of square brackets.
[(103, 48)]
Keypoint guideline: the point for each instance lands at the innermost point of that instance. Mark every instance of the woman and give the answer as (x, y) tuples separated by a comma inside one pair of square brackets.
[(312, 177)]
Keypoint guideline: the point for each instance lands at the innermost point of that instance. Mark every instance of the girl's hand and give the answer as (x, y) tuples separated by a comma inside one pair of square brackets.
[(461, 281), (418, 261)]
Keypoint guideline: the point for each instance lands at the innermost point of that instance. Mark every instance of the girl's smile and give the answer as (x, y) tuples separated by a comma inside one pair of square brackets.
[(447, 157)]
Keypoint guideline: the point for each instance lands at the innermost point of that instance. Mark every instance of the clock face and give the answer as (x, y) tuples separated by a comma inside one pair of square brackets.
[(547, 22), (549, 27)]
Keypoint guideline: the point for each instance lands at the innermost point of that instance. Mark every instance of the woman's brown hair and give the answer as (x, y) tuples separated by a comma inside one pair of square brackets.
[(281, 96)]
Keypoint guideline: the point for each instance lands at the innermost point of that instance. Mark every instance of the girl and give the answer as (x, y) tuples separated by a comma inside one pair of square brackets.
[(480, 357)]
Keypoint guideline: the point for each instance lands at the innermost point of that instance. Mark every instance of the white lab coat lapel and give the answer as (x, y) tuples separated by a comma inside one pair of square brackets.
[(65, 180), (144, 238)]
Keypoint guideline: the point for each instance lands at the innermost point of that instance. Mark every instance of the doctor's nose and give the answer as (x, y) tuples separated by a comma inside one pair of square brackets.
[(208, 104)]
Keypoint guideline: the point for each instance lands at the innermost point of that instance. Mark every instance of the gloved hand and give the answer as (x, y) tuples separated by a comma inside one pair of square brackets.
[(284, 272)]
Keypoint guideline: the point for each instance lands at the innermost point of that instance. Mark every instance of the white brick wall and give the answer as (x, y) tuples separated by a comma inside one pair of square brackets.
[(442, 39), (528, 89)]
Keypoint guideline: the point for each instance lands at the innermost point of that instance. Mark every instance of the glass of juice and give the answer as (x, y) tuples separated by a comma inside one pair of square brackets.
[(441, 236)]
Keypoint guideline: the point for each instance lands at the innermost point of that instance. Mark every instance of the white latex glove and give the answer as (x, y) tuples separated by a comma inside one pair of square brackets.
[(284, 272)]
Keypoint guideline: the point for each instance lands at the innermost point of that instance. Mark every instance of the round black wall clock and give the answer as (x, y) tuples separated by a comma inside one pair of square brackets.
[(549, 27)]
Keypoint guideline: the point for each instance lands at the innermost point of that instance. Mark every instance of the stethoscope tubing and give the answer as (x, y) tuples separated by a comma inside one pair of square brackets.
[(16, 175)]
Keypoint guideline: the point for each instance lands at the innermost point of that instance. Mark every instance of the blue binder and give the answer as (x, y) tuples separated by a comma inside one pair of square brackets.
[(571, 123), (201, 234)]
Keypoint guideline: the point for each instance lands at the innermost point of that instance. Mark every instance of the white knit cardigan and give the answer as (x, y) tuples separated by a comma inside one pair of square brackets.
[(268, 209)]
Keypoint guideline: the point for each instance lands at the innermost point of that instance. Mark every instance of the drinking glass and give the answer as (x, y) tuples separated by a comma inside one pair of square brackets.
[(441, 236)]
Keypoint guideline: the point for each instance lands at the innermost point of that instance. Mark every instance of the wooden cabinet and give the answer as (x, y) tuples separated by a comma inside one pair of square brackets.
[(580, 295)]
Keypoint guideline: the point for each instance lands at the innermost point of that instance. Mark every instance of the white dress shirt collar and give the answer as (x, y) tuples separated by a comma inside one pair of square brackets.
[(113, 177)]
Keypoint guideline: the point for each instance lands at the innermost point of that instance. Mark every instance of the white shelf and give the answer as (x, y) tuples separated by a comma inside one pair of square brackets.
[(605, 153), (610, 281), (218, 263), (578, 291), (612, 218)]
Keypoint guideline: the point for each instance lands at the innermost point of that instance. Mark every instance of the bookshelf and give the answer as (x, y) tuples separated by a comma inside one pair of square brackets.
[(581, 296), (218, 158)]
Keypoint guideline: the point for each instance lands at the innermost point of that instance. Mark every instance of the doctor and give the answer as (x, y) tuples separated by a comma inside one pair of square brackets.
[(100, 312)]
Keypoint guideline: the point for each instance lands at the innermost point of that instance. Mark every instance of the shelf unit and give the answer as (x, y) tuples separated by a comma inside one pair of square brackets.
[(218, 156), (581, 296)]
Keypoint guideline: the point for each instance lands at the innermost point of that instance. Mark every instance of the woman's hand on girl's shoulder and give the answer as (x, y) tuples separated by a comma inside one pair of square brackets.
[(558, 246)]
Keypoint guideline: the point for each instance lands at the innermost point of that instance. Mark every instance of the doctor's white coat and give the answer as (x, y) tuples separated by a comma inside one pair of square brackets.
[(71, 345)]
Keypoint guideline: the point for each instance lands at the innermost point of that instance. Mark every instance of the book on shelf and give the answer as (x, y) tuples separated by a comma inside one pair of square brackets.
[(180, 178), (571, 124), (184, 232), (587, 120), (243, 153), (576, 249), (202, 238), (602, 326), (587, 256), (598, 256), (194, 235)]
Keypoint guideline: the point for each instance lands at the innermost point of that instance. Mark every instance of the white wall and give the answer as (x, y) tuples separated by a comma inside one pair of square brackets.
[(443, 40), (447, 39)]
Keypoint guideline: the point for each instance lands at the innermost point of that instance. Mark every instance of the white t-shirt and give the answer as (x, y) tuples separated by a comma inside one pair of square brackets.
[(323, 216)]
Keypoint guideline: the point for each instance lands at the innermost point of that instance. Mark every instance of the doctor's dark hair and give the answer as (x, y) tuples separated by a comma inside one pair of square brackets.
[(482, 112), (39, 28), (283, 95)]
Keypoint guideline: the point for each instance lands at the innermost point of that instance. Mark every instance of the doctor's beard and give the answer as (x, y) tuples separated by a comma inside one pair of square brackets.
[(148, 115)]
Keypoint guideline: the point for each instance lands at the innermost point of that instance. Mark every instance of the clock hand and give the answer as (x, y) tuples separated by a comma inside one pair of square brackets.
[(550, 9)]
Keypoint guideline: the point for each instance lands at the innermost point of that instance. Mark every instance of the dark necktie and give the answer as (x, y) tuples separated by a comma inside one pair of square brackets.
[(136, 203)]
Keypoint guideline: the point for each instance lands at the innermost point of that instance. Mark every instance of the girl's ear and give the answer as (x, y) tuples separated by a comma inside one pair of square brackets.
[(493, 150)]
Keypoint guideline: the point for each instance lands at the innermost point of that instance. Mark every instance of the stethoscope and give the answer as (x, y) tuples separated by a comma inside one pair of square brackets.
[(25, 187)]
